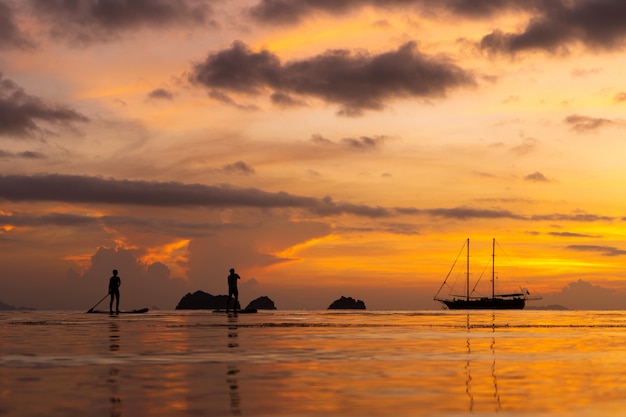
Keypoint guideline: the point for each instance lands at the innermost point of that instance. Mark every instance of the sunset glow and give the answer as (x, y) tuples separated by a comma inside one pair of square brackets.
[(321, 148)]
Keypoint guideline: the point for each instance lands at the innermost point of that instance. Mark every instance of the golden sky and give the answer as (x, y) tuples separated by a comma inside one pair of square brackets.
[(320, 148)]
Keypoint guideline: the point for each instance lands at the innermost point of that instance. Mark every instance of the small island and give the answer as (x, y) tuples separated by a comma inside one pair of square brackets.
[(347, 303), (261, 303), (201, 300)]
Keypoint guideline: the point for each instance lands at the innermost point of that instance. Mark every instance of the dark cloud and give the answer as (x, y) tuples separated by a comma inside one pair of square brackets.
[(226, 99), (620, 97), (86, 21), (21, 114), (536, 177), (603, 250), (576, 217), (465, 213), (161, 94), (21, 155), (10, 34), (238, 167), (364, 142), (50, 219), (81, 189), (594, 23), (586, 123), (468, 213), (292, 11), (570, 234), (355, 80), (285, 100)]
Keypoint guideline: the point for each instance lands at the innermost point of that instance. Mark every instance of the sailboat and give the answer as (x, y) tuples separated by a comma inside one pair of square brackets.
[(512, 301)]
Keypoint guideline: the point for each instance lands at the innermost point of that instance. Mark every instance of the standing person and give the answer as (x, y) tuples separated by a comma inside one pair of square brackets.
[(114, 292), (232, 289)]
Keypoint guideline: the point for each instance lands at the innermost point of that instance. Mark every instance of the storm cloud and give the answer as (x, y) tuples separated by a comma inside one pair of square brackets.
[(355, 80)]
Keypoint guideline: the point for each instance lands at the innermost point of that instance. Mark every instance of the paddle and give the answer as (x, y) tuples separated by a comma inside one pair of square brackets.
[(91, 309)]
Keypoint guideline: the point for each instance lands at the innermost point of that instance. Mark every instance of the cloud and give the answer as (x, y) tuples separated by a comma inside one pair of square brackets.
[(603, 250), (466, 213), (21, 114), (21, 155), (292, 11), (584, 295), (620, 97), (285, 100), (586, 123), (161, 94), (355, 80), (570, 234), (84, 189), (99, 20), (595, 24), (536, 177), (238, 167), (10, 34)]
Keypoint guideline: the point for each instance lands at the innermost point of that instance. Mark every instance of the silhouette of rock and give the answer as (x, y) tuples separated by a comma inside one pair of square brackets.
[(347, 303), (261, 303), (201, 300)]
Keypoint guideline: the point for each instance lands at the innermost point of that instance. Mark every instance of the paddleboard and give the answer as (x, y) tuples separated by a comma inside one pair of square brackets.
[(140, 311), (247, 311)]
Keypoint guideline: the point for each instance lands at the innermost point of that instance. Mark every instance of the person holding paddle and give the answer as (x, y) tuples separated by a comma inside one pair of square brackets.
[(114, 292), (232, 289)]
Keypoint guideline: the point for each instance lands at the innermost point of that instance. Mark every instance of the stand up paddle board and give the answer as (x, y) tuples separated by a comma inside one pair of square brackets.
[(247, 311), (140, 311)]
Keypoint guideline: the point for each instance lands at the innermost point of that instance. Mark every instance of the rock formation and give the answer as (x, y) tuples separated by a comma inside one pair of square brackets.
[(261, 303), (201, 300), (347, 303)]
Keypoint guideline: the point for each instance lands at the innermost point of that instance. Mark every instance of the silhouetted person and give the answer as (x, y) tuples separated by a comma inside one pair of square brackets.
[(114, 291), (232, 289)]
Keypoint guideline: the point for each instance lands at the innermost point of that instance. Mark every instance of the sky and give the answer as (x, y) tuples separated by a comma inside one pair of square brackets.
[(320, 148)]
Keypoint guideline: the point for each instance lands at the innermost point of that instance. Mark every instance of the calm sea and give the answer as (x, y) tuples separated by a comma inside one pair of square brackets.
[(313, 363)]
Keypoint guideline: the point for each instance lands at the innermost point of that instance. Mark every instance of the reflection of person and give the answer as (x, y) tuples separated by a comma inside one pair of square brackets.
[(232, 289), (114, 291)]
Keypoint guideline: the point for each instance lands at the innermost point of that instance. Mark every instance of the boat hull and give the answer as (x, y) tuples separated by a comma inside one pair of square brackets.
[(486, 304)]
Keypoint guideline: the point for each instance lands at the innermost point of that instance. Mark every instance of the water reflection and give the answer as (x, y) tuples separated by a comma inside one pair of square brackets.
[(232, 368), (114, 372), (470, 384)]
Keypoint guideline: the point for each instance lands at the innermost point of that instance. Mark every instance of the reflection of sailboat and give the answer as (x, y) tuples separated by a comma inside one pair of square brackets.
[(470, 383), (513, 301)]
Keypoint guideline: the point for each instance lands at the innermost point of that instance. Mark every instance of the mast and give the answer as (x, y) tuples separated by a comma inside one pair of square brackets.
[(493, 269), (467, 286)]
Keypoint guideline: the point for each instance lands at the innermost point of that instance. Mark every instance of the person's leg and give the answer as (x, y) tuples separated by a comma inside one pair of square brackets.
[(111, 304), (117, 302)]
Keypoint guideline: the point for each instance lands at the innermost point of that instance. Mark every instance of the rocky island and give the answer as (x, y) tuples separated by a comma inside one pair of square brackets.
[(347, 303), (201, 300)]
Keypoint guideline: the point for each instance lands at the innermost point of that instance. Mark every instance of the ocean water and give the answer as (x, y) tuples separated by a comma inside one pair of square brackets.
[(313, 363)]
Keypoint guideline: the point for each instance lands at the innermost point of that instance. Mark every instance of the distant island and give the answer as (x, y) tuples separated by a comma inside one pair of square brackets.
[(347, 303), (201, 300), (8, 307)]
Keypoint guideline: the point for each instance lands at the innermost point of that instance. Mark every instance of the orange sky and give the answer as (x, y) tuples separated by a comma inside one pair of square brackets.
[(321, 148)]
